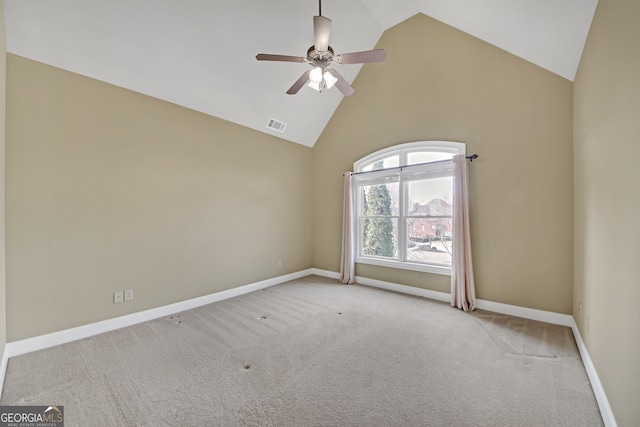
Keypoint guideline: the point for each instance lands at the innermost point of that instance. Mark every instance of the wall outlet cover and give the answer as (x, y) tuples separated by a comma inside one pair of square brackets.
[(118, 296)]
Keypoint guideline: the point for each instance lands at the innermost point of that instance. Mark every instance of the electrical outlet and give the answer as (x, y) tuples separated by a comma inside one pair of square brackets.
[(279, 264), (118, 296), (128, 295), (580, 310)]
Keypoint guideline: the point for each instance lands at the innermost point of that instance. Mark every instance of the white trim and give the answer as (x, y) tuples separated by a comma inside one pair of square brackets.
[(28, 345), (526, 313), (41, 342), (512, 310), (601, 397), (325, 273), (453, 147), (3, 367), (405, 265), (410, 290)]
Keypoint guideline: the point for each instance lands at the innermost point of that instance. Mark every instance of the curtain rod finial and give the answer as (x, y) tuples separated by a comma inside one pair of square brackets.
[(472, 157)]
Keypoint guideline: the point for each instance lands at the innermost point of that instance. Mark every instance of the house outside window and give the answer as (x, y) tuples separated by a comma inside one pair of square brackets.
[(404, 206)]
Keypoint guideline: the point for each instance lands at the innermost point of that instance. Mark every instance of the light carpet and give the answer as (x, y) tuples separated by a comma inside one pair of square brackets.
[(312, 352)]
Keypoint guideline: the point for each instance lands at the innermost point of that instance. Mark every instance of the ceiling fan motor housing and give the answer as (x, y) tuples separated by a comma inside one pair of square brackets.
[(320, 57)]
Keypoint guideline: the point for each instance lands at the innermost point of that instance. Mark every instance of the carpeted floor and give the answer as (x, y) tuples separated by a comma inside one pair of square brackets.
[(315, 353)]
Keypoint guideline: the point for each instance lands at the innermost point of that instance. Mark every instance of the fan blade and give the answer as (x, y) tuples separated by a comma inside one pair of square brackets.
[(285, 58), (321, 33), (342, 85), (299, 83), (377, 55)]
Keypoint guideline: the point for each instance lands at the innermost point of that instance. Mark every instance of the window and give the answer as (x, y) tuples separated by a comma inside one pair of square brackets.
[(404, 206)]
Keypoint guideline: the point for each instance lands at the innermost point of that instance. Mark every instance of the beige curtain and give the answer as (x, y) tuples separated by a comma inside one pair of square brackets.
[(348, 261), (463, 293)]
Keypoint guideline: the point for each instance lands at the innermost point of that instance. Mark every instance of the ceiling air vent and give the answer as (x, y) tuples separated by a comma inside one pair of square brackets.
[(276, 125)]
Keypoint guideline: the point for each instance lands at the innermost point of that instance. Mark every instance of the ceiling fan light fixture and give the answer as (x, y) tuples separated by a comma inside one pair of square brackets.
[(329, 79), (314, 85), (320, 56), (316, 75)]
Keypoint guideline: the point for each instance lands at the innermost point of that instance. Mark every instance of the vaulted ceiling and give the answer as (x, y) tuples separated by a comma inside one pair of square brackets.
[(201, 54)]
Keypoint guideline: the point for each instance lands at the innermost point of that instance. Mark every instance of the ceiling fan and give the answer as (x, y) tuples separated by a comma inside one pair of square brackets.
[(320, 56)]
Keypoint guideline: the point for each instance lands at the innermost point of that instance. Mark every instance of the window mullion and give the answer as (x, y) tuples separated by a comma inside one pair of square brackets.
[(402, 223), (359, 223)]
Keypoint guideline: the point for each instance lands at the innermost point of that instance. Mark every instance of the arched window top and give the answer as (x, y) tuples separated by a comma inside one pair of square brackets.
[(410, 153)]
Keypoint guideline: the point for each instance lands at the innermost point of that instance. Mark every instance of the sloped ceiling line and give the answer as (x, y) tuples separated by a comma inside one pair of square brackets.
[(201, 54)]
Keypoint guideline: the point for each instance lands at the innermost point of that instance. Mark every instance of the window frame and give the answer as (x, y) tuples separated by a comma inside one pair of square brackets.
[(402, 151)]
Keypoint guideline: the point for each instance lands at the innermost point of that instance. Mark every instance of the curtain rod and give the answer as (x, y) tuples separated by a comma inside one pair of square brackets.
[(471, 158)]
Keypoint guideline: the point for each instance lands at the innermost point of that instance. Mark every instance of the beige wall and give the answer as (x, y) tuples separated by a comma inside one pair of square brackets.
[(607, 202), (440, 83), (3, 75), (109, 189)]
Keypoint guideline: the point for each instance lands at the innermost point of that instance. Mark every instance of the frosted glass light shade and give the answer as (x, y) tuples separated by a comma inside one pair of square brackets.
[(316, 75), (329, 79), (314, 85)]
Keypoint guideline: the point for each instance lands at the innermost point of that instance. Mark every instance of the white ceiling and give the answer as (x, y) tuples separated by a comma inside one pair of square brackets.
[(201, 53)]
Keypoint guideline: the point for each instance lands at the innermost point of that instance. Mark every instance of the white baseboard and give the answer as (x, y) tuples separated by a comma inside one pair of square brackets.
[(3, 367), (526, 313), (603, 403), (325, 273), (511, 310), (28, 345), (41, 342), (410, 290)]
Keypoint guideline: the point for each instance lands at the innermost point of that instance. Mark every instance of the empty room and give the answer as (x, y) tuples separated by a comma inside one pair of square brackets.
[(361, 212)]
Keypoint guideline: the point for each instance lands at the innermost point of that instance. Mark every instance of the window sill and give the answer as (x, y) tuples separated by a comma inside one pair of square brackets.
[(435, 269)]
